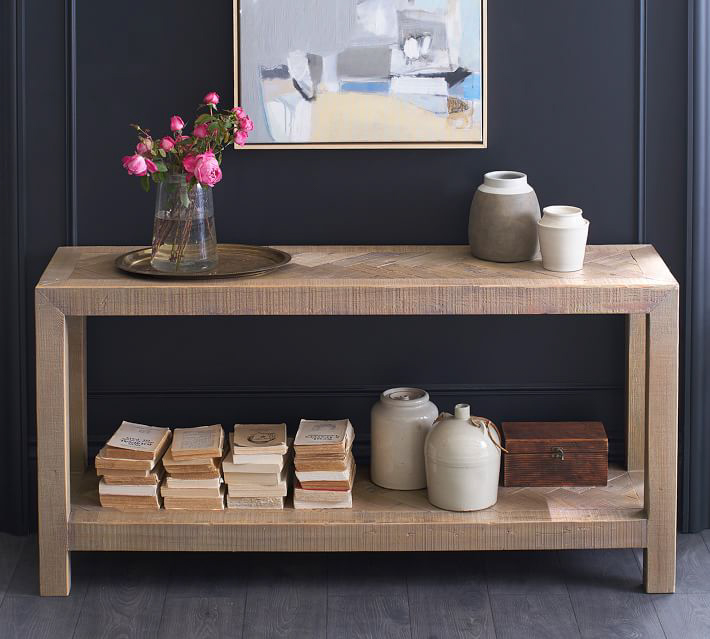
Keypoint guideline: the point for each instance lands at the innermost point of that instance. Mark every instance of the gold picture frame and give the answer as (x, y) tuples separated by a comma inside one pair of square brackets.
[(480, 133)]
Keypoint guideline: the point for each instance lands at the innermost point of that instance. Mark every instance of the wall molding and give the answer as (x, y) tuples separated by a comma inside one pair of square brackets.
[(696, 441)]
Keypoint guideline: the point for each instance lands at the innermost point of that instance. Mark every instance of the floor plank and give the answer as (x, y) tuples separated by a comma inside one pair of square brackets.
[(605, 590), (684, 616), (25, 614), (368, 617), (524, 572), (202, 618), (209, 575), (10, 551), (286, 597), (357, 574), (534, 617), (125, 597), (448, 597)]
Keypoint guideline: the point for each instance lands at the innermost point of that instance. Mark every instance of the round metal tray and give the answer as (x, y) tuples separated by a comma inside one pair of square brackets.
[(235, 260)]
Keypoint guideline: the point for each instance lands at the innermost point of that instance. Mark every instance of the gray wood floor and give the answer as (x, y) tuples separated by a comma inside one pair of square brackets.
[(419, 596)]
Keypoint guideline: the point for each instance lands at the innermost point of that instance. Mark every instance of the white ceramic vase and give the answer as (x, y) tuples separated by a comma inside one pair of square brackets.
[(462, 462), (563, 238), (400, 422)]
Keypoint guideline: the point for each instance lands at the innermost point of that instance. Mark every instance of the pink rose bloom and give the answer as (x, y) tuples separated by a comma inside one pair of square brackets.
[(240, 137), (200, 131), (142, 148), (135, 164), (176, 123), (167, 143), (180, 138), (245, 124), (188, 163), (150, 165), (207, 169), (211, 98), (239, 111)]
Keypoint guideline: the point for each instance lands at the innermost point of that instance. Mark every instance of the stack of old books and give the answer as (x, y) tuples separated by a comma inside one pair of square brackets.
[(130, 467), (256, 472), (325, 468), (193, 468)]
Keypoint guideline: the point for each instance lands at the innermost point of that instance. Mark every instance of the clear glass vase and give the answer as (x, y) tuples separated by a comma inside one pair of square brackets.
[(184, 236)]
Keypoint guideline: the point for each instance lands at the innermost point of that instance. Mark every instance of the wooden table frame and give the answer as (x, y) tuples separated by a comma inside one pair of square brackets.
[(387, 280)]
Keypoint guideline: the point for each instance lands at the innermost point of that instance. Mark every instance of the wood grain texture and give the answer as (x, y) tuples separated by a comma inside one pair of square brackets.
[(380, 520), (76, 335), (635, 391), (53, 451), (605, 594), (10, 552), (448, 597), (661, 462), (287, 597), (684, 616), (534, 617), (544, 469), (202, 618), (368, 617), (693, 565), (524, 573), (127, 602), (367, 280)]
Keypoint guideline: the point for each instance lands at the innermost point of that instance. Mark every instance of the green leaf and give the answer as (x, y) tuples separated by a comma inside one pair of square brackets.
[(213, 127), (162, 152), (161, 166), (145, 183), (203, 118)]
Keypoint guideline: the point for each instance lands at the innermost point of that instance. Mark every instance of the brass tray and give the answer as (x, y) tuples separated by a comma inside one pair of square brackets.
[(235, 260)]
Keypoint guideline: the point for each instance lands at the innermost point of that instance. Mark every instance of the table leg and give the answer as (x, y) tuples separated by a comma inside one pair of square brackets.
[(661, 463), (52, 447), (76, 330), (635, 391)]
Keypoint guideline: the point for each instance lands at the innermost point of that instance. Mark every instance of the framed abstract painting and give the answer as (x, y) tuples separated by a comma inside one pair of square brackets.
[(362, 73)]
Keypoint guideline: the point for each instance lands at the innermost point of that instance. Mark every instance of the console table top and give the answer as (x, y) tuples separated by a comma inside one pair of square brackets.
[(366, 280)]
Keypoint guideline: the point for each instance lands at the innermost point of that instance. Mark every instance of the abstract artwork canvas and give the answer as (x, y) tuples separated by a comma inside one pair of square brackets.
[(362, 73)]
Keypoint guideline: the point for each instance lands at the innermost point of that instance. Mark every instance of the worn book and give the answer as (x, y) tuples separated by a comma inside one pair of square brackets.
[(132, 491), (250, 465), (322, 437), (256, 479), (177, 482), (116, 473), (195, 503), (315, 499), (135, 502), (241, 490), (328, 463), (259, 439), (255, 503), (166, 491), (105, 463), (198, 443), (137, 441), (207, 464), (327, 480), (133, 478)]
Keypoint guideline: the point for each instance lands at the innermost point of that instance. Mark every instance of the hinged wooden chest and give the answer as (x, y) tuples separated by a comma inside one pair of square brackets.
[(555, 454)]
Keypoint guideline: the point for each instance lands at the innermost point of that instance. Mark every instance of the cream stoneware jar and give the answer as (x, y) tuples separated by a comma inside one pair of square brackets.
[(563, 238), (399, 424), (462, 462)]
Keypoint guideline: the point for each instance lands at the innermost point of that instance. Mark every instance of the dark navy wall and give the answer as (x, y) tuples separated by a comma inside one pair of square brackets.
[(563, 107)]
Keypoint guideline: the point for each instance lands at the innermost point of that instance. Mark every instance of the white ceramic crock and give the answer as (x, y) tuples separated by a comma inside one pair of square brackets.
[(563, 238), (462, 462), (400, 422)]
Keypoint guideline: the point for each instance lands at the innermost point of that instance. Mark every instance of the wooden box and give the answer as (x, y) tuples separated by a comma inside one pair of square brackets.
[(555, 454)]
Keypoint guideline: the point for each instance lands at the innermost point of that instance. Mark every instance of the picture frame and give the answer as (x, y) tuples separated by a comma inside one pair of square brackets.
[(344, 95)]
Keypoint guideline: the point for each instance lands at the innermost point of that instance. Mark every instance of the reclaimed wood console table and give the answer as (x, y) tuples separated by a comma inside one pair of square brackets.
[(636, 509)]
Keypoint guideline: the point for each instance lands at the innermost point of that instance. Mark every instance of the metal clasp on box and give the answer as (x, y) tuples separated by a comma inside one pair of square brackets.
[(558, 453)]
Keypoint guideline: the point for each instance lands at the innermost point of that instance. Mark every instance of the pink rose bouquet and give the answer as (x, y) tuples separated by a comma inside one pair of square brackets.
[(197, 156)]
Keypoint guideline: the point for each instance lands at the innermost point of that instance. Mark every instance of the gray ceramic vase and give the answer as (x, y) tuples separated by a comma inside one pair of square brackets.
[(503, 222)]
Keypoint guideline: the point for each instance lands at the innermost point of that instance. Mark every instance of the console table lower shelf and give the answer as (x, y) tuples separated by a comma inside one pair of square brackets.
[(380, 520)]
